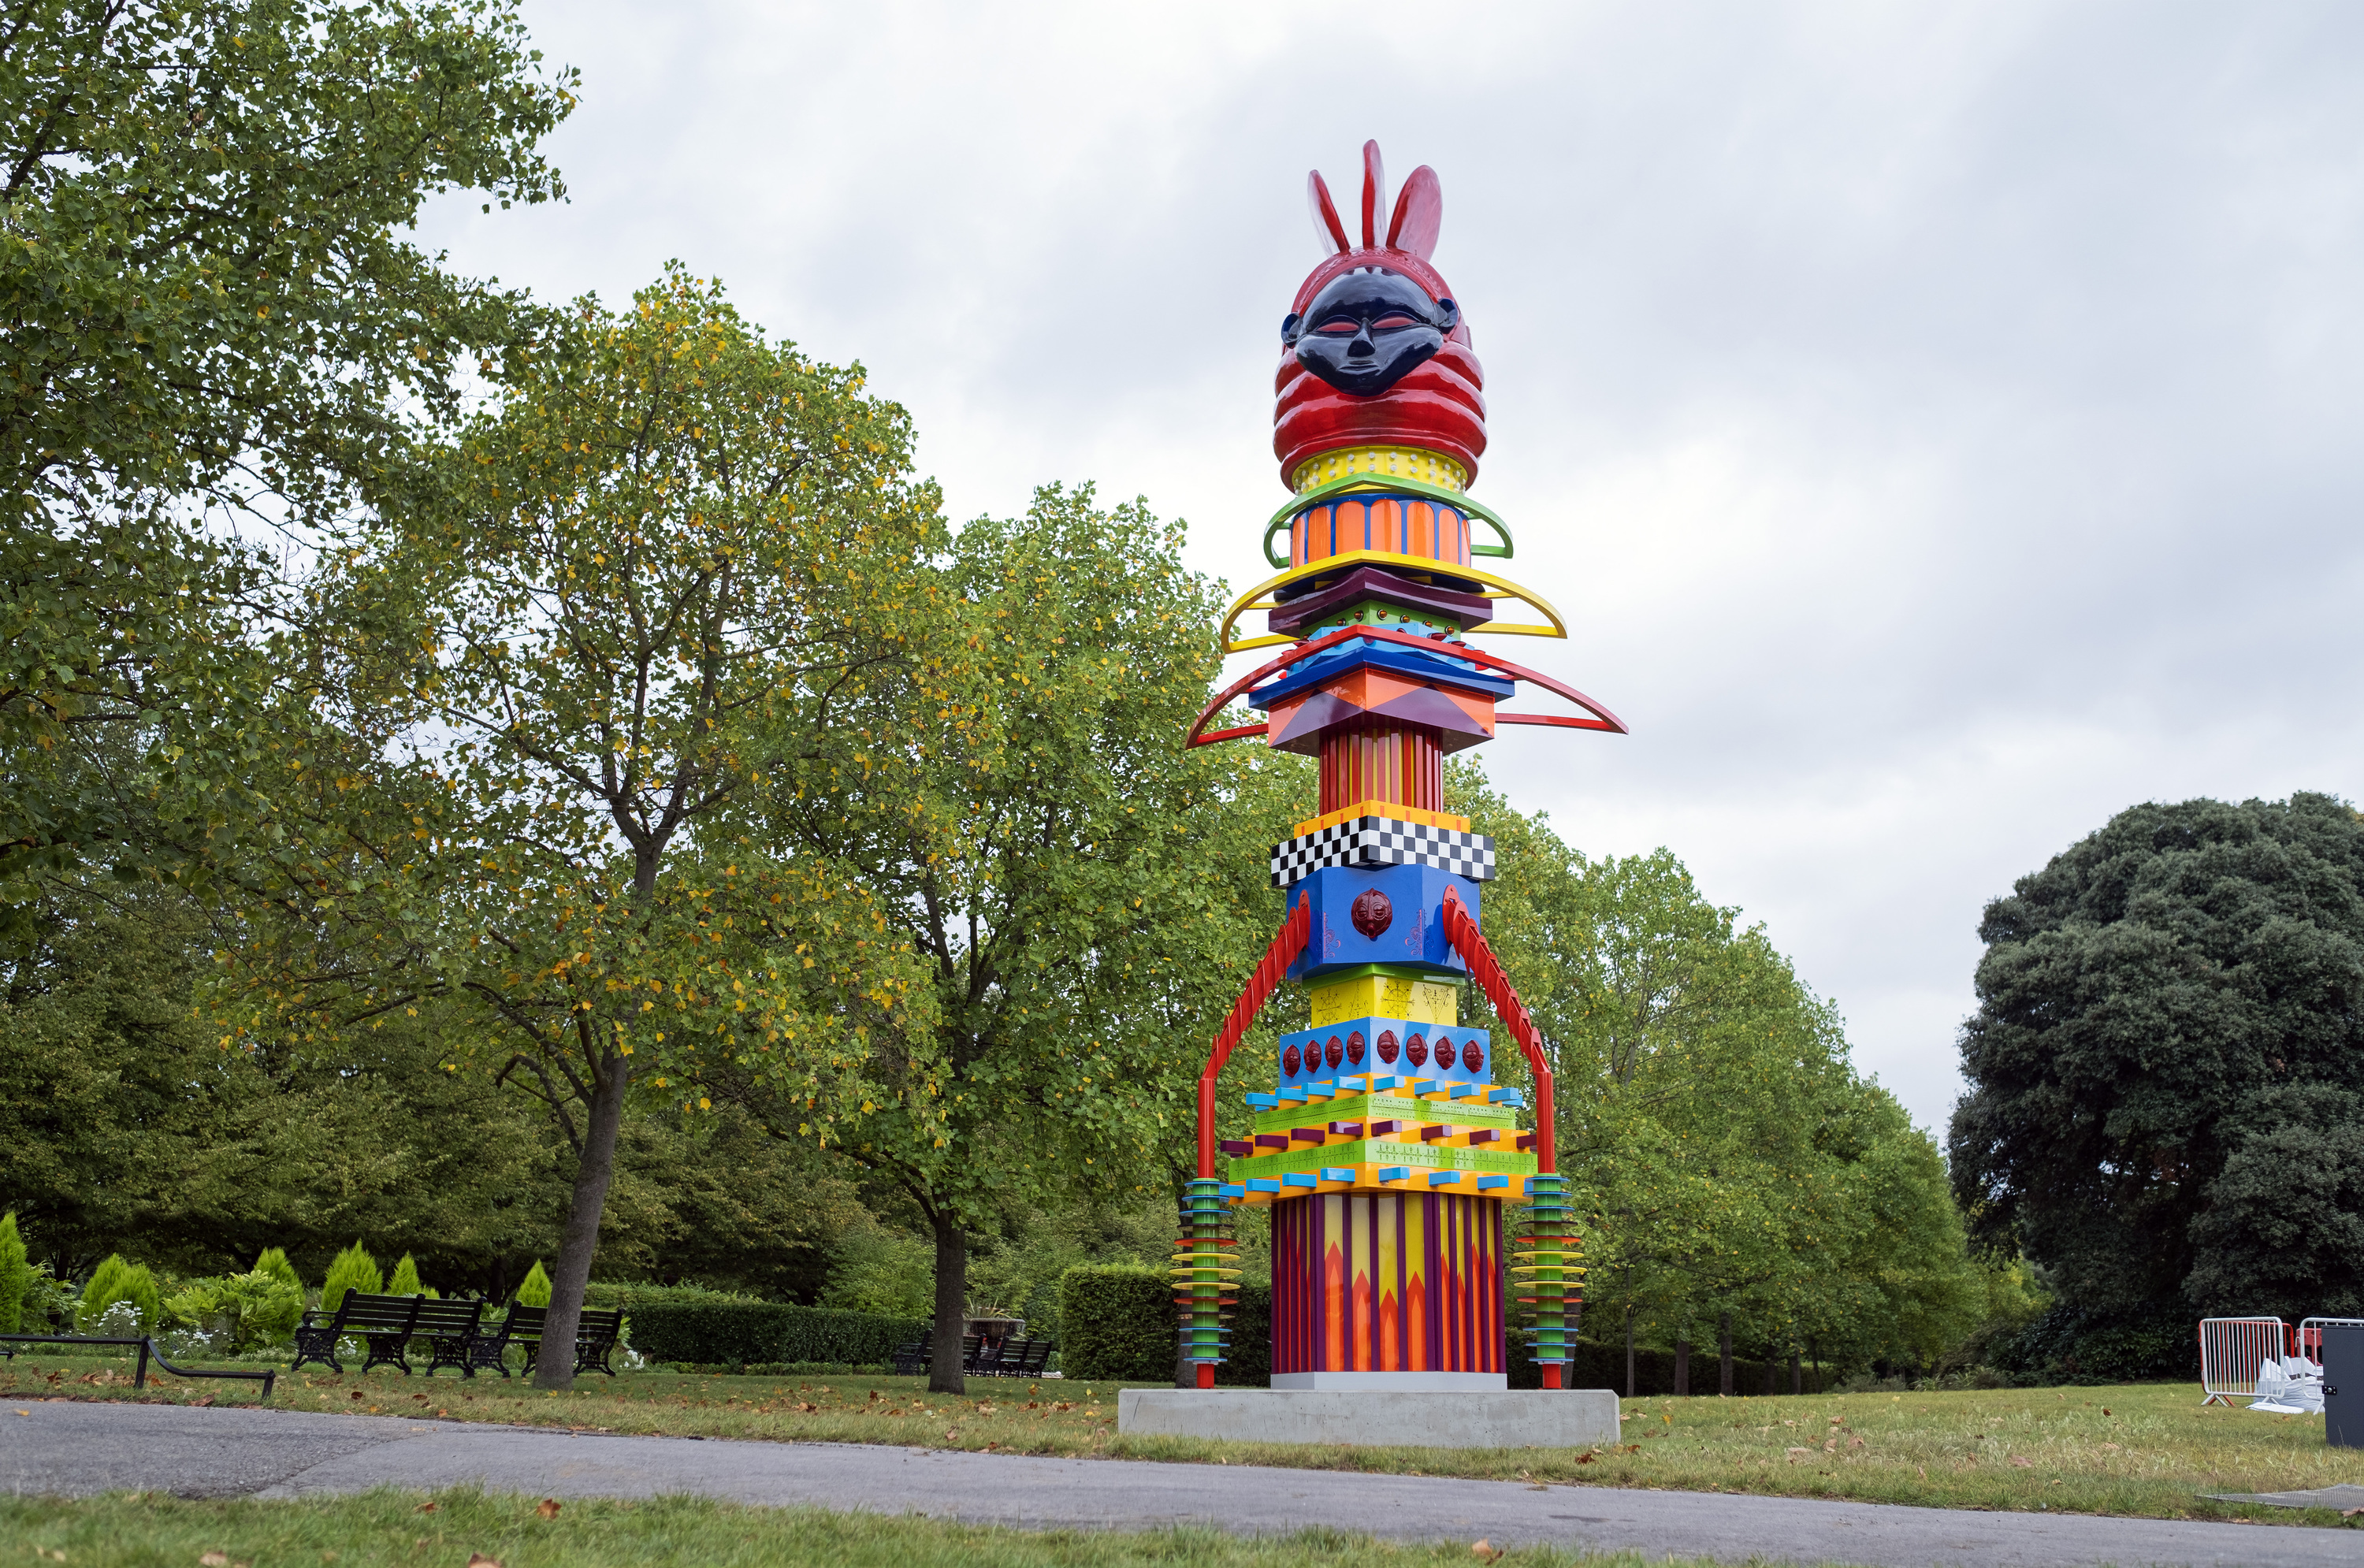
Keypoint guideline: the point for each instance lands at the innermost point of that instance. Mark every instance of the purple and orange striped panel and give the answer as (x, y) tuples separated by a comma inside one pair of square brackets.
[(1387, 1282)]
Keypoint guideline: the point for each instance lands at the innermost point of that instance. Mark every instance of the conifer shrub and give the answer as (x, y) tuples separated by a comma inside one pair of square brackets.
[(15, 1276), (273, 1261), (353, 1269), (406, 1281), (534, 1289), (116, 1280)]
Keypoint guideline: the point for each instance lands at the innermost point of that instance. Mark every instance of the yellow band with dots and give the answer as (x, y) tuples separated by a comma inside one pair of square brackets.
[(1380, 462)]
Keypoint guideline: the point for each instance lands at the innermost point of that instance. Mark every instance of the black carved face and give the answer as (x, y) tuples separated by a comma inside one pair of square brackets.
[(1367, 328)]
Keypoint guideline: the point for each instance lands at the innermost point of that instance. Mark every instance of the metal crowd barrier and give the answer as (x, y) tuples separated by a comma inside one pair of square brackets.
[(148, 1353), (2231, 1352)]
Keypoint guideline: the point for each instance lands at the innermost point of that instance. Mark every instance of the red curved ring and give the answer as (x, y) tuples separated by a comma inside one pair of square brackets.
[(1602, 720)]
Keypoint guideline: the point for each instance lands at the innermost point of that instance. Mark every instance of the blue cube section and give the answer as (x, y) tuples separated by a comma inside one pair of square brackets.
[(1366, 1047), (1297, 1179), (1403, 918), (1444, 1178)]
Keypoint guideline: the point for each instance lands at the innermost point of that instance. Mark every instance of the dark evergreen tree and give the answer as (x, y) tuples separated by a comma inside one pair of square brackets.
[(2164, 1061)]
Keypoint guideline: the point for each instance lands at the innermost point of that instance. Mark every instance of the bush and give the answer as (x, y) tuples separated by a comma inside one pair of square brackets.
[(632, 1294), (2069, 1344), (258, 1308), (1119, 1322), (274, 1263), (353, 1269), (406, 1281), (534, 1289), (755, 1333), (15, 1276), (115, 1281)]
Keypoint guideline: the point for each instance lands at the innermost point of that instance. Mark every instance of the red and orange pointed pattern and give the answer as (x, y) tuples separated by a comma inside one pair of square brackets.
[(1387, 1282)]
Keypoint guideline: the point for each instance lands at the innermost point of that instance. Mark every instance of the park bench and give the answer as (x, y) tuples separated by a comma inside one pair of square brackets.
[(385, 1324), (448, 1328), (921, 1354), (1025, 1357), (595, 1334)]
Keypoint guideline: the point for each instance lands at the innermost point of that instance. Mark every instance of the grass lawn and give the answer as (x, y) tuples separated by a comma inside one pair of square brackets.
[(390, 1528), (2146, 1450)]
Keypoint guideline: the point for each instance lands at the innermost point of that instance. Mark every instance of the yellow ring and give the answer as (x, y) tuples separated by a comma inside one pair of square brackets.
[(1248, 601)]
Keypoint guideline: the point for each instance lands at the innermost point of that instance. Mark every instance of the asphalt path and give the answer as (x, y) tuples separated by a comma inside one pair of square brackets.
[(71, 1448)]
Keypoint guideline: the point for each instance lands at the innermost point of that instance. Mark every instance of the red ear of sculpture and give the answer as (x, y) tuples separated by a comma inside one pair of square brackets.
[(1420, 211), (1326, 227), (1374, 194)]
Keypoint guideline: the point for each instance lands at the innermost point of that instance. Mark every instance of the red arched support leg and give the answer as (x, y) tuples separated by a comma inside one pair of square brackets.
[(1285, 946), (1462, 931)]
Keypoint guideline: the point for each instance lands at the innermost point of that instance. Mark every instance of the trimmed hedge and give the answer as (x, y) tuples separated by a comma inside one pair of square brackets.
[(1120, 1325), (738, 1333)]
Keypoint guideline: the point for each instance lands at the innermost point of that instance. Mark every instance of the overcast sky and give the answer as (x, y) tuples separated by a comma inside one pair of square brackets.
[(1939, 423)]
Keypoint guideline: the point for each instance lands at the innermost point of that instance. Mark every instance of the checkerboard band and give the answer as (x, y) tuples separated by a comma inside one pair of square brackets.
[(1383, 841)]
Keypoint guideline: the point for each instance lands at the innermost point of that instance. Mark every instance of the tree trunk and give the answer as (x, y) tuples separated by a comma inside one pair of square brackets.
[(1797, 1373), (1629, 1351), (1723, 1353), (1683, 1363), (951, 1305), (554, 1365)]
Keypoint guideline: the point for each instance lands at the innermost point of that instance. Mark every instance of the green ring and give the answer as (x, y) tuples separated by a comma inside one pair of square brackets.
[(1345, 481)]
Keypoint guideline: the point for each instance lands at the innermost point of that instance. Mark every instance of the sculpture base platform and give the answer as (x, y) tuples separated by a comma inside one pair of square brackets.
[(1559, 1418)]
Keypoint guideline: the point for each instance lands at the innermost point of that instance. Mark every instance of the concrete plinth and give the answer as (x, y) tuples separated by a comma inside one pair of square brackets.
[(1564, 1418)]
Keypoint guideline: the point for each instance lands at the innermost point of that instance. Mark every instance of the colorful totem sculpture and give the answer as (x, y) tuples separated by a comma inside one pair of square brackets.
[(1386, 1151)]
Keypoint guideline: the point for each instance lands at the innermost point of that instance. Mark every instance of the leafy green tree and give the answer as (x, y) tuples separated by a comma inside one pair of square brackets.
[(210, 303), (1745, 1185), (1087, 895), (2165, 1052), (16, 1275), (668, 531), (353, 1269)]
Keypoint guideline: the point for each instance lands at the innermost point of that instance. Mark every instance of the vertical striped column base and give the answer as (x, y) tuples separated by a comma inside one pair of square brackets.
[(1405, 1381)]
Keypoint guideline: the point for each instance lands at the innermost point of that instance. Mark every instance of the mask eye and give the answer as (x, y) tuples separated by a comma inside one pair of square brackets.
[(1392, 323), (1341, 328)]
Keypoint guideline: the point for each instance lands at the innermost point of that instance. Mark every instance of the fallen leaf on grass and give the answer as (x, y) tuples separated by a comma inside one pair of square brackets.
[(2108, 1448), (214, 1560), (427, 1508), (1485, 1552), (2019, 1463), (1583, 1458), (359, 1394), (547, 1509), (203, 1402), (478, 1559), (1798, 1453)]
